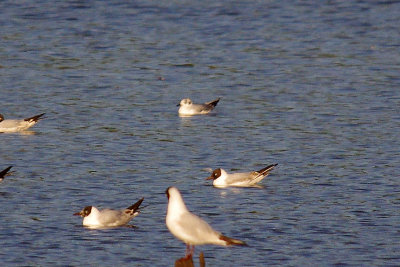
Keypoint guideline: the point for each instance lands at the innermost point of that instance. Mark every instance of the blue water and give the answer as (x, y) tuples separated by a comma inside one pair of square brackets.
[(311, 86)]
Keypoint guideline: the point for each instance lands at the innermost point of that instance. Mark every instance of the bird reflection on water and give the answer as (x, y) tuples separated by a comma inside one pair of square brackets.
[(187, 261)]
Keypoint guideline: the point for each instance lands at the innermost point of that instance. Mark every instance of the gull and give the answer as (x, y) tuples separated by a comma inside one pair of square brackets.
[(17, 125), (187, 108), (107, 218), (242, 179), (4, 172), (189, 228)]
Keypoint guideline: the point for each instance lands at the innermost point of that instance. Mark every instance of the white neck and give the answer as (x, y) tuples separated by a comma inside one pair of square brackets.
[(92, 219), (176, 206)]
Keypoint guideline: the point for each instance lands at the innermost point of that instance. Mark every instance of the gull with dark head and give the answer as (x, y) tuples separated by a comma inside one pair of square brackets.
[(4, 172), (241, 179), (191, 229), (18, 125), (107, 218), (188, 108)]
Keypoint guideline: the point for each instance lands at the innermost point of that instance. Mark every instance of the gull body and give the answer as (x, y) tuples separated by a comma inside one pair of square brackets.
[(241, 179), (107, 218), (188, 108), (17, 125), (189, 228), (4, 172)]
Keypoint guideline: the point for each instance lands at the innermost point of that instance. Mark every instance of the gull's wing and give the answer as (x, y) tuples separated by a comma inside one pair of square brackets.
[(195, 230), (11, 123), (242, 177), (205, 108), (108, 217), (201, 108)]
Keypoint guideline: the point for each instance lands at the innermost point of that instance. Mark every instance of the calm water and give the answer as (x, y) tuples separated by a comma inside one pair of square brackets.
[(313, 87)]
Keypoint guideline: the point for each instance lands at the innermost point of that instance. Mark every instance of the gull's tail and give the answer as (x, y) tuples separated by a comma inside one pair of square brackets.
[(232, 242), (34, 118), (4, 172), (267, 169)]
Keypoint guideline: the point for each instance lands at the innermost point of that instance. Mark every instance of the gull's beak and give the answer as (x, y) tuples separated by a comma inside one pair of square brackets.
[(78, 213), (178, 105), (210, 178)]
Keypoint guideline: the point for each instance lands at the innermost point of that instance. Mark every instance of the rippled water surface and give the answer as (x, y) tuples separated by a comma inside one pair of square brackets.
[(312, 86)]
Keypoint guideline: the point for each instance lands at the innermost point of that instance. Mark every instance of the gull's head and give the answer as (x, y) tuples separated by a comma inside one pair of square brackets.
[(85, 212), (175, 201), (215, 174), (1, 118), (172, 192), (185, 102)]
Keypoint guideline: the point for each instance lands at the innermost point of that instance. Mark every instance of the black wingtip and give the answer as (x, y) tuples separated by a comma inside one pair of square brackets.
[(268, 168), (5, 171), (136, 206), (34, 118), (214, 103), (232, 242)]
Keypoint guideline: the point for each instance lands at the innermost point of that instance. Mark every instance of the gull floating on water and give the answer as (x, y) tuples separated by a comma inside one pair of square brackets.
[(17, 125), (4, 172), (107, 218), (191, 229), (187, 108), (242, 179)]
